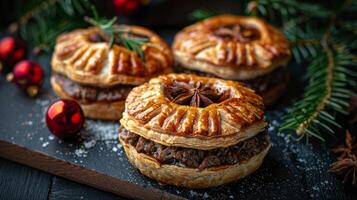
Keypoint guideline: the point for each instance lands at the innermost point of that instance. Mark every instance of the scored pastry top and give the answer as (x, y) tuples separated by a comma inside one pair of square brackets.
[(229, 41), (84, 55), (190, 106)]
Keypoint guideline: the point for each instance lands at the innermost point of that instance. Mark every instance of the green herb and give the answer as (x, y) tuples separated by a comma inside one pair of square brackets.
[(117, 34), (200, 14), (41, 21)]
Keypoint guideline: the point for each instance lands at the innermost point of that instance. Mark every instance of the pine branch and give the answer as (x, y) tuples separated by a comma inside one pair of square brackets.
[(42, 37), (44, 20), (328, 90), (284, 10), (346, 33), (305, 42), (42, 9), (327, 93)]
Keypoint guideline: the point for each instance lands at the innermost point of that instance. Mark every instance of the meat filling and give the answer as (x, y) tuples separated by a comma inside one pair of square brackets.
[(260, 84), (194, 158), (87, 94)]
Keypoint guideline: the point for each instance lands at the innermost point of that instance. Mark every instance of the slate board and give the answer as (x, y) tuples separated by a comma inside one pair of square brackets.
[(290, 171)]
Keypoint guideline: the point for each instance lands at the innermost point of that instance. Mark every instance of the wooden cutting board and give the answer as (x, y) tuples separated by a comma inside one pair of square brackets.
[(290, 171)]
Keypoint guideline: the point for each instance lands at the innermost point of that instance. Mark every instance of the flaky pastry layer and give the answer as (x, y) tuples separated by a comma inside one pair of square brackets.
[(149, 113), (188, 177), (94, 110), (197, 142), (195, 48), (95, 63)]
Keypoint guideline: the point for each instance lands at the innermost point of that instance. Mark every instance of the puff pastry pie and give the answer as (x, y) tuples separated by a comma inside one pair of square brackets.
[(193, 131), (236, 48), (99, 77)]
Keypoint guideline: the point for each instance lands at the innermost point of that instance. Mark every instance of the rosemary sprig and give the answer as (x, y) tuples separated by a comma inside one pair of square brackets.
[(134, 44), (200, 14), (116, 34)]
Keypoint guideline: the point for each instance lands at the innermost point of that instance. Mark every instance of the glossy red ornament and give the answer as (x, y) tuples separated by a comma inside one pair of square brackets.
[(12, 50), (28, 76), (64, 118), (126, 7)]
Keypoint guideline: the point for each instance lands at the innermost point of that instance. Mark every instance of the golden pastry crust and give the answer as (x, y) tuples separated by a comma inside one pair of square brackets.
[(94, 63), (188, 177), (198, 47), (95, 110), (150, 114)]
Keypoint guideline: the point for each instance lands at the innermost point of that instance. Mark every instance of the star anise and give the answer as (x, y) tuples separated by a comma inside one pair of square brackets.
[(237, 33), (348, 167), (347, 149), (194, 94), (346, 163)]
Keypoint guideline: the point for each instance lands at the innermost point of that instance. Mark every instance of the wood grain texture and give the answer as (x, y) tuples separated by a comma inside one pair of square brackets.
[(79, 174), (12, 185), (22, 182), (65, 189)]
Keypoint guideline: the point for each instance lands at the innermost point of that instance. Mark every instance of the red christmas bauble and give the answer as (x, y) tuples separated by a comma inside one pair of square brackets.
[(28, 76), (126, 7), (12, 50), (64, 118)]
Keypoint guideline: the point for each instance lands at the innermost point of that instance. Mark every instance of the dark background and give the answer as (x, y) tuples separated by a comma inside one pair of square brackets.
[(22, 182)]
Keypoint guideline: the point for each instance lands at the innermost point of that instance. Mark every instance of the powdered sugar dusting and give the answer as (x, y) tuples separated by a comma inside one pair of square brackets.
[(93, 133), (286, 164), (45, 144)]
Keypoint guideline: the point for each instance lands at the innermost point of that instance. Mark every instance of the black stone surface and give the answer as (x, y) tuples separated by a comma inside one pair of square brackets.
[(290, 171)]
